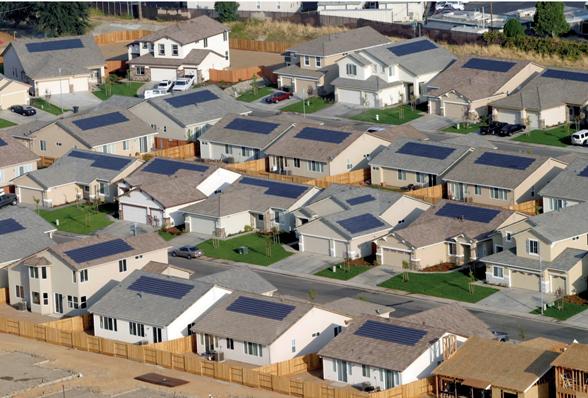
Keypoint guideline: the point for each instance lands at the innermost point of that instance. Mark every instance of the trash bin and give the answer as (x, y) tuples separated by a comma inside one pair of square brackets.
[(76, 109)]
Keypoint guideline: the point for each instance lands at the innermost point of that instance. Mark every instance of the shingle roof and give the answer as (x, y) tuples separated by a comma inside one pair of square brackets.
[(188, 31), (373, 83), (294, 70), (470, 140), (340, 42), (241, 279), (194, 57), (569, 184), (355, 307), (13, 152), (565, 261), (575, 357), (561, 224), (24, 131)]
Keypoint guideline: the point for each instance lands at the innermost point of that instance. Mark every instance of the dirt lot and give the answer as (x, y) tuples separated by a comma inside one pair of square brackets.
[(114, 50), (244, 59)]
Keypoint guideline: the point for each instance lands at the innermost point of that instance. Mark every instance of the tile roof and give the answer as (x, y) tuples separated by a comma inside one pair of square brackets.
[(565, 261), (569, 184), (24, 131), (242, 279), (470, 140), (186, 32), (340, 42), (13, 152)]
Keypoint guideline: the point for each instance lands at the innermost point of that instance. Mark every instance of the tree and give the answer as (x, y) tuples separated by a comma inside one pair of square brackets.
[(549, 19), (17, 12), (405, 268), (513, 28), (226, 10), (61, 18)]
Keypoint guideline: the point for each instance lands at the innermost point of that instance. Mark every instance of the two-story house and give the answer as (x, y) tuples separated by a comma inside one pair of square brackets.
[(185, 48), (15, 160), (389, 74), (568, 188)]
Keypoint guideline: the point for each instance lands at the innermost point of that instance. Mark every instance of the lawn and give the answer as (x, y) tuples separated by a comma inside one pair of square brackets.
[(312, 104), (40, 103), (342, 273), (6, 123), (166, 235), (451, 285), (128, 89), (568, 311), (250, 96), (558, 136), (257, 245), (397, 115), (471, 128), (82, 219)]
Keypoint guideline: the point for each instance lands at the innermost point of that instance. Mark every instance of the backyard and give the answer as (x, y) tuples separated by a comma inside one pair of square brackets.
[(311, 105), (256, 244), (342, 272), (78, 219), (251, 95), (397, 115), (127, 89), (558, 136), (462, 128), (46, 106), (6, 123)]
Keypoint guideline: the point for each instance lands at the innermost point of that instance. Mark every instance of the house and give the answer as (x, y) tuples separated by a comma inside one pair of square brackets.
[(464, 90), (410, 162), (570, 371), (156, 307), (389, 74), (68, 278), (548, 249), (78, 175), (355, 307), (483, 367), (155, 193), (13, 92), (187, 115), (500, 178), (381, 11), (568, 188), (256, 7), (554, 97), (240, 278), (55, 65), (344, 221), (258, 203), (185, 48), (311, 66), (15, 160), (155, 267), (448, 232), (263, 330)]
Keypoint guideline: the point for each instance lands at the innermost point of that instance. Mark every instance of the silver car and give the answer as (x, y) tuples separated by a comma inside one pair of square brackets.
[(187, 251)]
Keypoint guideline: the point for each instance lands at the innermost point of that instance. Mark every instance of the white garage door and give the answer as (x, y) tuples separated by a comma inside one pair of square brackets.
[(507, 116), (202, 225), (52, 87), (135, 214), (17, 98), (317, 245), (533, 120), (349, 96), (158, 74), (79, 84)]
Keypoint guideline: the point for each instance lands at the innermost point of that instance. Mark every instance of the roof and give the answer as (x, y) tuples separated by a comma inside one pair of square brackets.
[(118, 102), (486, 361), (24, 131), (159, 268), (402, 131), (147, 308), (242, 279), (575, 357), (470, 140), (564, 262), (397, 156), (22, 243), (545, 344), (355, 307), (188, 31), (348, 346), (194, 57), (12, 152), (561, 224), (372, 83), (53, 63), (569, 183), (340, 42), (294, 70)]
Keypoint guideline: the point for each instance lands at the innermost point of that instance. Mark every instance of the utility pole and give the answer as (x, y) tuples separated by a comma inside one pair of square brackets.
[(541, 282)]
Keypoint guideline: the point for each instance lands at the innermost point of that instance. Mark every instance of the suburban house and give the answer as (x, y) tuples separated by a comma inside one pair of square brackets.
[(448, 232), (389, 74), (413, 163), (187, 115), (500, 178), (13, 92), (483, 367), (242, 279), (262, 330), (554, 97), (570, 371), (15, 160), (156, 192), (355, 307), (156, 307), (312, 66), (344, 221), (568, 188), (55, 65), (257, 8), (258, 203), (464, 90), (68, 278), (77, 176), (189, 48), (548, 249), (388, 11), (155, 267)]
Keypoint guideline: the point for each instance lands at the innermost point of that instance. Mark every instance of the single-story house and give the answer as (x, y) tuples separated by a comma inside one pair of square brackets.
[(15, 160), (355, 307), (241, 278), (13, 92), (568, 188)]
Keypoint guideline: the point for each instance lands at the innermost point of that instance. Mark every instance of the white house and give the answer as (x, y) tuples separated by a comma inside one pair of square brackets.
[(253, 6), (380, 11), (568, 188)]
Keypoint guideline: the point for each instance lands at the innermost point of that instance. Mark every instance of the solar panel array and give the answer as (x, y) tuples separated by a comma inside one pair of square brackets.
[(490, 65), (504, 161), (363, 222), (252, 126), (584, 173), (102, 161), (98, 250), (276, 188), (360, 199), (261, 308), (425, 150), (10, 225), (322, 135), (412, 48), (470, 213), (565, 75), (391, 333), (43, 46), (160, 287), (195, 98), (94, 122), (2, 142), (170, 167)]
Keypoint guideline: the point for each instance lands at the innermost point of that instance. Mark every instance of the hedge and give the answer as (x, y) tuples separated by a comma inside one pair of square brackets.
[(565, 49)]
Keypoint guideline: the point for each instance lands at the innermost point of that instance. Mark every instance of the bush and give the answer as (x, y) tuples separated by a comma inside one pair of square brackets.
[(565, 49), (172, 230), (513, 28), (226, 10), (247, 228)]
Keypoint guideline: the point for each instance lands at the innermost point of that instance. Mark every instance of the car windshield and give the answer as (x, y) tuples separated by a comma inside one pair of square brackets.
[(193, 248), (181, 83)]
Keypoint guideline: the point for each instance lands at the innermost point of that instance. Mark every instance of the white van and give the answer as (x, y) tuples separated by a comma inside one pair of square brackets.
[(580, 137)]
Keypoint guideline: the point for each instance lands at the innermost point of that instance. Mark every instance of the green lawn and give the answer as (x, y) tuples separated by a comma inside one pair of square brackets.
[(166, 235), (82, 219), (40, 103), (473, 127), (558, 136), (342, 273), (257, 250), (312, 104), (128, 89), (250, 96), (568, 311), (451, 285), (389, 115), (6, 123)]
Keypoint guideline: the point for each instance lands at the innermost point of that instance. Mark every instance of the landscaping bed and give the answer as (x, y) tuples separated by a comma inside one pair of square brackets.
[(397, 115), (250, 95), (443, 267), (558, 136), (257, 246), (169, 233), (313, 104), (77, 219)]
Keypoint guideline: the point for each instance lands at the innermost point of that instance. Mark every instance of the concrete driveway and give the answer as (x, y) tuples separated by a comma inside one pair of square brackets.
[(515, 300), (84, 99), (19, 119), (430, 123), (305, 263), (374, 276)]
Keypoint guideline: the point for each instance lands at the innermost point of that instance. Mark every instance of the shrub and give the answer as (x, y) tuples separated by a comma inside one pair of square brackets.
[(513, 28), (248, 228)]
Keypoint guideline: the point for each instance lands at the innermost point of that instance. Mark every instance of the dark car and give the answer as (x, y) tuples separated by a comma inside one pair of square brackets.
[(187, 251), (23, 110), (500, 336), (510, 129), (278, 97), (7, 199), (492, 128)]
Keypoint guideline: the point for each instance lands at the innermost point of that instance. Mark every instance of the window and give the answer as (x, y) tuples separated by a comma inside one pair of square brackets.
[(498, 272), (145, 45), (125, 145), (508, 236), (497, 193), (72, 302), (73, 274), (225, 35), (557, 204), (20, 170), (421, 178), (244, 151), (83, 302), (175, 51), (137, 329), (19, 291), (36, 298), (161, 49), (43, 272), (296, 162), (316, 166), (478, 190), (84, 275), (452, 248), (227, 55), (293, 345), (45, 299), (337, 330), (253, 349), (102, 188), (157, 335), (108, 148), (43, 145), (122, 265), (401, 175), (391, 71), (205, 42), (533, 246), (34, 272), (230, 344), (139, 70), (108, 323), (228, 149), (317, 62), (351, 69), (306, 60), (365, 370), (349, 165)]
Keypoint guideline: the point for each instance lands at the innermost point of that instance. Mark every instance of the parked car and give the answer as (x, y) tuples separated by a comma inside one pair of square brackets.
[(182, 84), (278, 97), (580, 137), (500, 336), (491, 128), (165, 85), (510, 129), (7, 199), (187, 252), (24, 110), (154, 93)]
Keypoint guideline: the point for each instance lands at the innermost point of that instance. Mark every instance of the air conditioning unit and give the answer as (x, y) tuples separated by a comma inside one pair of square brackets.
[(22, 306), (218, 356)]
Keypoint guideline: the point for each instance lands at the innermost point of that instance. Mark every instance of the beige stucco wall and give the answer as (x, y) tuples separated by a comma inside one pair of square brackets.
[(159, 121), (389, 177), (355, 154), (528, 189), (58, 142), (13, 93), (8, 173), (134, 146), (484, 198)]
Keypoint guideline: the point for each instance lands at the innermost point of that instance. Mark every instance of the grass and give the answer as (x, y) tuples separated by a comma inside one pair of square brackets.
[(40, 103), (6, 123), (166, 235), (451, 285), (313, 104), (568, 311), (257, 250), (250, 96), (558, 136), (473, 127), (389, 115), (128, 89), (82, 219), (342, 273)]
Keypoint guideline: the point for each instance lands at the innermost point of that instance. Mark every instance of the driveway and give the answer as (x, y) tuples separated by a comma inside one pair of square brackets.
[(374, 276), (305, 263), (84, 99), (124, 229), (515, 300), (430, 123), (19, 119), (338, 110)]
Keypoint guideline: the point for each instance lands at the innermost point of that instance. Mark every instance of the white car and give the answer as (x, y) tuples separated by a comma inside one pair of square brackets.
[(450, 5), (580, 137), (154, 93), (184, 83), (165, 85)]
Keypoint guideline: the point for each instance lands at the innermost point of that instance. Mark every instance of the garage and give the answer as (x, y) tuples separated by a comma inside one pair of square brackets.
[(524, 280), (456, 111), (559, 282), (349, 96), (52, 87), (13, 92), (434, 107), (159, 74), (317, 245), (340, 249), (394, 257), (201, 225), (508, 116), (78, 84), (134, 214), (533, 120)]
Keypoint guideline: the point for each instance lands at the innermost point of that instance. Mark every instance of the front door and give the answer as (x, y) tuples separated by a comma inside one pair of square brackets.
[(58, 303), (389, 381), (208, 343), (157, 335), (458, 191), (341, 370)]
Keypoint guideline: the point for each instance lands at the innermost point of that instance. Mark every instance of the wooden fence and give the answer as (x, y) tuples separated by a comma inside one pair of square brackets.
[(234, 75), (73, 324), (120, 36), (4, 295), (260, 46), (429, 194), (45, 161), (410, 390), (185, 151), (531, 207), (351, 178), (254, 166), (177, 346), (293, 366)]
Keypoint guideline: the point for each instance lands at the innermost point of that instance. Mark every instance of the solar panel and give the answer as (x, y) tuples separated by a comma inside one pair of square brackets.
[(194, 98), (490, 65), (412, 48), (98, 250), (43, 46), (504, 161), (2, 142), (470, 213), (360, 199), (322, 135), (102, 161), (425, 150), (584, 173), (95, 122), (252, 126), (170, 167), (10, 225), (160, 287), (360, 223), (392, 333), (276, 188), (565, 75), (261, 308)]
